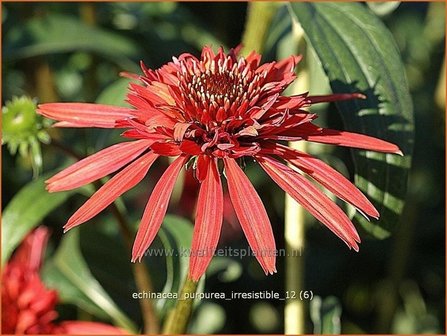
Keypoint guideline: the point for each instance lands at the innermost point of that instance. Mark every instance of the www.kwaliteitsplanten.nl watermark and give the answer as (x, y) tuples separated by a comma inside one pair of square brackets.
[(227, 251)]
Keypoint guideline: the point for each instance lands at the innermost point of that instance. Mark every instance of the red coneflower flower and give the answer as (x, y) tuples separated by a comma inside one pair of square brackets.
[(211, 112), (28, 307)]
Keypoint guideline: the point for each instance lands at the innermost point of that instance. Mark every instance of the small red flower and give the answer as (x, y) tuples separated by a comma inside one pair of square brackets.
[(28, 307), (212, 112)]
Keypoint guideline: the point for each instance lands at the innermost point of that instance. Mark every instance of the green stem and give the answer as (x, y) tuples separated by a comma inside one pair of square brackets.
[(295, 216), (259, 17), (294, 232), (178, 319)]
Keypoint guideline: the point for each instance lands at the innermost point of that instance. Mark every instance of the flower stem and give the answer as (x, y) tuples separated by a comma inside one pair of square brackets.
[(259, 17), (294, 227), (294, 232), (178, 319)]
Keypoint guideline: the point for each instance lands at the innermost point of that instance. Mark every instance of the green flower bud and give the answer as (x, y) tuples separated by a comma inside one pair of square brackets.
[(23, 130)]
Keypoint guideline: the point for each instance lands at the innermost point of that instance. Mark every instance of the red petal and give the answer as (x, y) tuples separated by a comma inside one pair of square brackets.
[(349, 139), (180, 130), (253, 59), (288, 64), (84, 114), (32, 250), (97, 165), (208, 222), (147, 93), (292, 102), (252, 215), (328, 177), (190, 147), (311, 198), (114, 188), (166, 148), (89, 328), (138, 134), (201, 167), (156, 208)]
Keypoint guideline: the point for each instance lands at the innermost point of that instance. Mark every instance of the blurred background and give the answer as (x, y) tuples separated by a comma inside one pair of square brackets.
[(75, 52)]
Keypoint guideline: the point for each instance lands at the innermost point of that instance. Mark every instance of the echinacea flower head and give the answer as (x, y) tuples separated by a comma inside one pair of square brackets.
[(210, 113), (28, 307)]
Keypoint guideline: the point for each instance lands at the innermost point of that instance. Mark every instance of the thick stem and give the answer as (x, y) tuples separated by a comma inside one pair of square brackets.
[(294, 232), (178, 319), (140, 271), (259, 17), (294, 227)]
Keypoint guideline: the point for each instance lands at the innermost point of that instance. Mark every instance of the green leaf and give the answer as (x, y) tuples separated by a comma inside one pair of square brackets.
[(61, 33), (115, 93), (116, 277), (176, 236), (68, 272), (359, 54), (325, 315), (25, 211)]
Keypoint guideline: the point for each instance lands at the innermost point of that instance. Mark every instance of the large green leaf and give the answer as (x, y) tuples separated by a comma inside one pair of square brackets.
[(68, 272), (58, 33), (25, 211), (358, 54)]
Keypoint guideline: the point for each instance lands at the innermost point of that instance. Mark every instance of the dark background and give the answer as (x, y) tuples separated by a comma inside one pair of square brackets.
[(393, 286)]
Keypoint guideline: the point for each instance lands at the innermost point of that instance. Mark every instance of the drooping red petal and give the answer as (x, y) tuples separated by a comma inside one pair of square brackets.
[(97, 165), (84, 114), (208, 222), (349, 139), (311, 198), (114, 188), (252, 215), (326, 176), (89, 328), (156, 208)]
